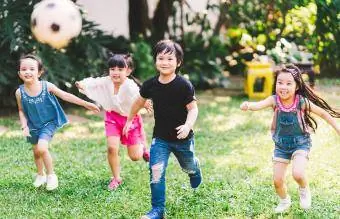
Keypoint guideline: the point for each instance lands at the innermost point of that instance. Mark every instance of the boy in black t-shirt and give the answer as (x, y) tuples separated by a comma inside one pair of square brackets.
[(175, 112)]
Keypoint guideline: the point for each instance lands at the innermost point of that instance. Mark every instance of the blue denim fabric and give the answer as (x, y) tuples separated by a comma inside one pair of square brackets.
[(289, 135), (286, 146), (45, 132), (42, 109), (159, 155)]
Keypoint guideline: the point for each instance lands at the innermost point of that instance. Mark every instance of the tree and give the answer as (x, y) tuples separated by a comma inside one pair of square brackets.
[(140, 23), (85, 55)]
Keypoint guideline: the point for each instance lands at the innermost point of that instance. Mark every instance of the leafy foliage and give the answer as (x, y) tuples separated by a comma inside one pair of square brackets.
[(244, 29), (143, 59), (85, 55)]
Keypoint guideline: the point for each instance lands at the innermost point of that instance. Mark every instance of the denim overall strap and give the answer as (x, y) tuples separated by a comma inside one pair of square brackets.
[(288, 123)]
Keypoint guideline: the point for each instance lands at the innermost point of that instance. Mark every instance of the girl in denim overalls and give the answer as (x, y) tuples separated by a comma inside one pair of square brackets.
[(291, 127), (41, 115)]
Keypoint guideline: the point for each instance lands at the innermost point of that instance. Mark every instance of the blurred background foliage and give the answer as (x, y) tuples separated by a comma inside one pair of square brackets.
[(244, 30)]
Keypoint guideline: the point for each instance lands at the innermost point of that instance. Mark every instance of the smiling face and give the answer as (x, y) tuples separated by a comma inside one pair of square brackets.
[(166, 63), (285, 86), (118, 75), (29, 70)]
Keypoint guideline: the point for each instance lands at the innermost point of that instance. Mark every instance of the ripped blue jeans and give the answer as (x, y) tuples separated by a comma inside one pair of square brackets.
[(159, 155)]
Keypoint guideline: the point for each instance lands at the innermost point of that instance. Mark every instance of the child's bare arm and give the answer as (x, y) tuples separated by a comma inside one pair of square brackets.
[(71, 98), (183, 130), (136, 106), (324, 115), (22, 117), (254, 106)]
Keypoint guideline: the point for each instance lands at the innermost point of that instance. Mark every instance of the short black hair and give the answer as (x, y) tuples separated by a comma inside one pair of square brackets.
[(168, 46)]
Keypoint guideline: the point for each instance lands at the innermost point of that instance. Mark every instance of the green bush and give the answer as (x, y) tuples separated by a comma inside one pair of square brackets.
[(142, 55), (203, 59)]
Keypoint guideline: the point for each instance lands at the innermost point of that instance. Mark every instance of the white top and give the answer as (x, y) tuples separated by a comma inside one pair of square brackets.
[(101, 90)]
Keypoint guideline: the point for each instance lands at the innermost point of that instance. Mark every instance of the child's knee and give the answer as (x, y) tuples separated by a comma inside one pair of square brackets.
[(112, 149), (135, 152), (278, 181), (156, 172), (191, 167), (135, 157), (189, 171), (298, 175), (40, 149)]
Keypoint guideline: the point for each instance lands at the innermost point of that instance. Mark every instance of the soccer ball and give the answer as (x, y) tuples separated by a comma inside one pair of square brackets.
[(55, 22)]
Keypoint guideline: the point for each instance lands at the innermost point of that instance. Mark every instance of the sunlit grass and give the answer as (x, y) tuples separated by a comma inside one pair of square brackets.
[(234, 148)]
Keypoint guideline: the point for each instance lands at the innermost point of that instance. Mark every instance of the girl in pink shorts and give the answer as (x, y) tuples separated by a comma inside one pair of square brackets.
[(116, 94)]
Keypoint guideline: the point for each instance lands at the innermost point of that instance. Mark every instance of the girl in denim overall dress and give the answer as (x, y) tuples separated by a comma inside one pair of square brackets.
[(41, 115), (116, 93), (291, 128)]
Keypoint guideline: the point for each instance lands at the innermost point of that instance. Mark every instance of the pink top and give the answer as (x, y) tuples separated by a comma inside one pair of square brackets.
[(292, 107)]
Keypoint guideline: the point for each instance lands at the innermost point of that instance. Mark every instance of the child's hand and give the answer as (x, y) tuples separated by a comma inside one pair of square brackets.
[(244, 106), (92, 107), (183, 131), (127, 128), (148, 106), (26, 131), (79, 86)]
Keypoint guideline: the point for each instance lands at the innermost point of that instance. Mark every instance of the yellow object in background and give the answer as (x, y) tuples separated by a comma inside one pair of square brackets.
[(259, 80)]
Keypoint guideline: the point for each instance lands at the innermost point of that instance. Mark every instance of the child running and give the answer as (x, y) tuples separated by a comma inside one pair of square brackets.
[(175, 112), (116, 93), (292, 124), (41, 115)]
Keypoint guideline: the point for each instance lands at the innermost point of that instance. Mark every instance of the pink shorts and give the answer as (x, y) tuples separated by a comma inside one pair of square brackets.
[(114, 124)]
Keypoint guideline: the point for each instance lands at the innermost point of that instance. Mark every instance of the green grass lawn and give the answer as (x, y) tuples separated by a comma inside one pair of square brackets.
[(235, 150)]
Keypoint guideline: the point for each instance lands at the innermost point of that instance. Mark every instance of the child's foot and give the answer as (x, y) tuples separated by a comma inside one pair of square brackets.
[(146, 154), (196, 179), (39, 180), (52, 182), (114, 184), (155, 213), (284, 205), (305, 198)]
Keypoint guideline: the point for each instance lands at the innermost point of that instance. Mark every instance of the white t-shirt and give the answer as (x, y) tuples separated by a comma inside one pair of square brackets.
[(101, 90)]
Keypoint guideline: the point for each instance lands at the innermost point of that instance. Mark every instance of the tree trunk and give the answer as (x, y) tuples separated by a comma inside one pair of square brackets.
[(160, 19), (139, 21)]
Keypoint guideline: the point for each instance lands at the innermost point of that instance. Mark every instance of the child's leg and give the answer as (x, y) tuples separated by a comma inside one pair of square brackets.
[(185, 154), (38, 160), (159, 156), (136, 141), (300, 160), (299, 165), (113, 155), (42, 150), (135, 151), (280, 170)]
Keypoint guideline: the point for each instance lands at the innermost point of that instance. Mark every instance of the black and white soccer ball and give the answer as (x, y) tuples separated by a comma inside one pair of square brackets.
[(56, 22)]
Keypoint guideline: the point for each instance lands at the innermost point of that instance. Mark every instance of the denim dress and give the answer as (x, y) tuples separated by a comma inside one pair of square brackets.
[(43, 113), (288, 132)]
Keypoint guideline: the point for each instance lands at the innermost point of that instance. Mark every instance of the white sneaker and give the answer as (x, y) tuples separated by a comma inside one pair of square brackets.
[(52, 182), (305, 198), (284, 205), (39, 180)]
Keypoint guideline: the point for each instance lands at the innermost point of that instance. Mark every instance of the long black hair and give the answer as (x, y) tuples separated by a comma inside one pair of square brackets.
[(307, 93)]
